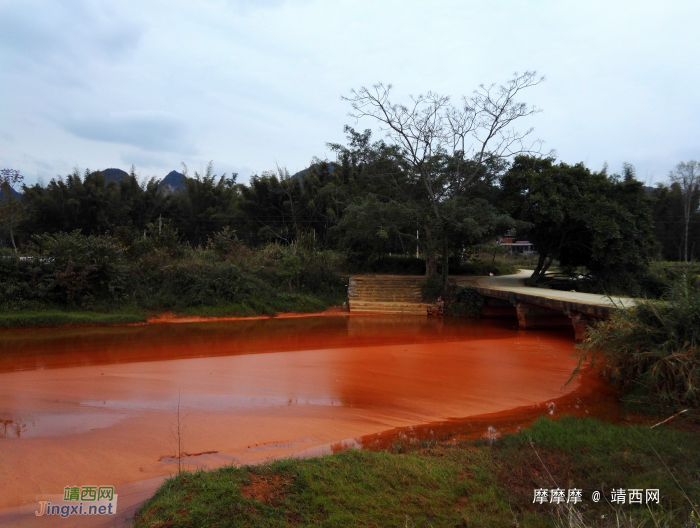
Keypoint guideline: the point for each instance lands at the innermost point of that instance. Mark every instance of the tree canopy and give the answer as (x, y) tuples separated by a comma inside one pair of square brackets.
[(579, 217)]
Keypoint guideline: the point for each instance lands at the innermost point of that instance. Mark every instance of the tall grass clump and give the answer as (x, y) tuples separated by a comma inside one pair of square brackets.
[(652, 349)]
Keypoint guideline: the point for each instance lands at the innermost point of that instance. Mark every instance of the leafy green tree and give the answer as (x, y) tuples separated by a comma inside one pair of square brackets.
[(10, 208), (446, 148), (90, 204), (204, 206), (669, 222), (686, 178), (580, 218)]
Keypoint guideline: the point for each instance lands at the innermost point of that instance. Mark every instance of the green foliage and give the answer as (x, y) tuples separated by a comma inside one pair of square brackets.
[(27, 318), (465, 301), (390, 264), (154, 272), (652, 349), (581, 218), (669, 222), (66, 269), (432, 288)]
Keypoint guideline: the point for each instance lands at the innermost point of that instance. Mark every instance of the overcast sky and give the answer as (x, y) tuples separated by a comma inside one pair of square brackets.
[(254, 83)]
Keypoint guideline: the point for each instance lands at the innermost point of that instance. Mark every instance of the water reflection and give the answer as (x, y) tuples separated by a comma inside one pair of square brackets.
[(37, 349)]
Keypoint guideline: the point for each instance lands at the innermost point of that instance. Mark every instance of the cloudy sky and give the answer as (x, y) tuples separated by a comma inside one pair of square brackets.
[(254, 83)]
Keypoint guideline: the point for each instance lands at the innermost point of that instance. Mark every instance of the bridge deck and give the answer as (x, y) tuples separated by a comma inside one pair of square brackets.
[(513, 288)]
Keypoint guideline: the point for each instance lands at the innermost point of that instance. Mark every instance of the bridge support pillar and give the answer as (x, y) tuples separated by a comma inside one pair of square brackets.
[(532, 316), (580, 323)]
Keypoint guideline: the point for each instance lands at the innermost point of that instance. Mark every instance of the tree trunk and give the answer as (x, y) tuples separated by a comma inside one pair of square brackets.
[(445, 259), (536, 275), (12, 236), (430, 266), (546, 267)]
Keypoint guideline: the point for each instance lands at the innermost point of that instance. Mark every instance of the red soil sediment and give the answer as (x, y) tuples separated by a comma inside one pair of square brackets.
[(83, 406)]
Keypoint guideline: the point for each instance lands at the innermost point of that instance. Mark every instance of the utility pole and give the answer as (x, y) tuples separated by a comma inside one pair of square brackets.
[(417, 236)]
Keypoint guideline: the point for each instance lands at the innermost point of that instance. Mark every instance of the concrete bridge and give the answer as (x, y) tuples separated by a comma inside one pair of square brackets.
[(508, 296), (505, 296)]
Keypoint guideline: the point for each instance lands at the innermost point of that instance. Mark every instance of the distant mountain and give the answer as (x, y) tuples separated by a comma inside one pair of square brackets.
[(115, 175), (173, 182)]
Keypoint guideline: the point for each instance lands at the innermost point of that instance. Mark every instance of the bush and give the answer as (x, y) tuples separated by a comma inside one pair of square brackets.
[(433, 287), (68, 269), (466, 300), (392, 265), (155, 272), (653, 348)]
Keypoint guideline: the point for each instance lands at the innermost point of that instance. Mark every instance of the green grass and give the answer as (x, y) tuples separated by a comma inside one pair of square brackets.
[(283, 302), (52, 316), (477, 484), (63, 318)]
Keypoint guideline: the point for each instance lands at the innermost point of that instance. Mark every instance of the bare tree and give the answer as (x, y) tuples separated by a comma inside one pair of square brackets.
[(687, 176), (8, 179), (478, 132)]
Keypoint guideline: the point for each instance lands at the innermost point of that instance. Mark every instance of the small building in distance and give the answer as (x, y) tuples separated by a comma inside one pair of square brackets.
[(515, 246)]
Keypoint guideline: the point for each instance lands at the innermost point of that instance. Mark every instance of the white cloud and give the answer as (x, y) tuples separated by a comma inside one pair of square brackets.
[(149, 131), (246, 83)]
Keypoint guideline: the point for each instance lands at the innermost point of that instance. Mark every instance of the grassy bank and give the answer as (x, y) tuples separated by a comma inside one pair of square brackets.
[(281, 303), (284, 302), (652, 350), (50, 317), (484, 484)]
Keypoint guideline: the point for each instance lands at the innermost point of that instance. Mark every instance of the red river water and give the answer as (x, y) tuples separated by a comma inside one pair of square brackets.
[(99, 405)]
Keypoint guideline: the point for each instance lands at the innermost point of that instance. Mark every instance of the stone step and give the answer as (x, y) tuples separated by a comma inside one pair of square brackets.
[(359, 291), (423, 312), (387, 295), (392, 303), (387, 298)]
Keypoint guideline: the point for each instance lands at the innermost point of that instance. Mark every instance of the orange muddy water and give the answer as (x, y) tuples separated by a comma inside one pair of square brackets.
[(83, 406)]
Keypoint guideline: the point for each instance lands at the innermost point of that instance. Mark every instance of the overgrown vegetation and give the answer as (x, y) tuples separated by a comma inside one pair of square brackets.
[(465, 300), (652, 349), (134, 273), (477, 484)]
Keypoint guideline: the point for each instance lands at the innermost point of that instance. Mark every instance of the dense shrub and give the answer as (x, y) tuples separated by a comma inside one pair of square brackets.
[(390, 264), (68, 269), (652, 349), (465, 300), (155, 272), (432, 287)]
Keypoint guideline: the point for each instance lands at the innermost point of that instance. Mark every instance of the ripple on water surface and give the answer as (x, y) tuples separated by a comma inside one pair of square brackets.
[(101, 403)]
